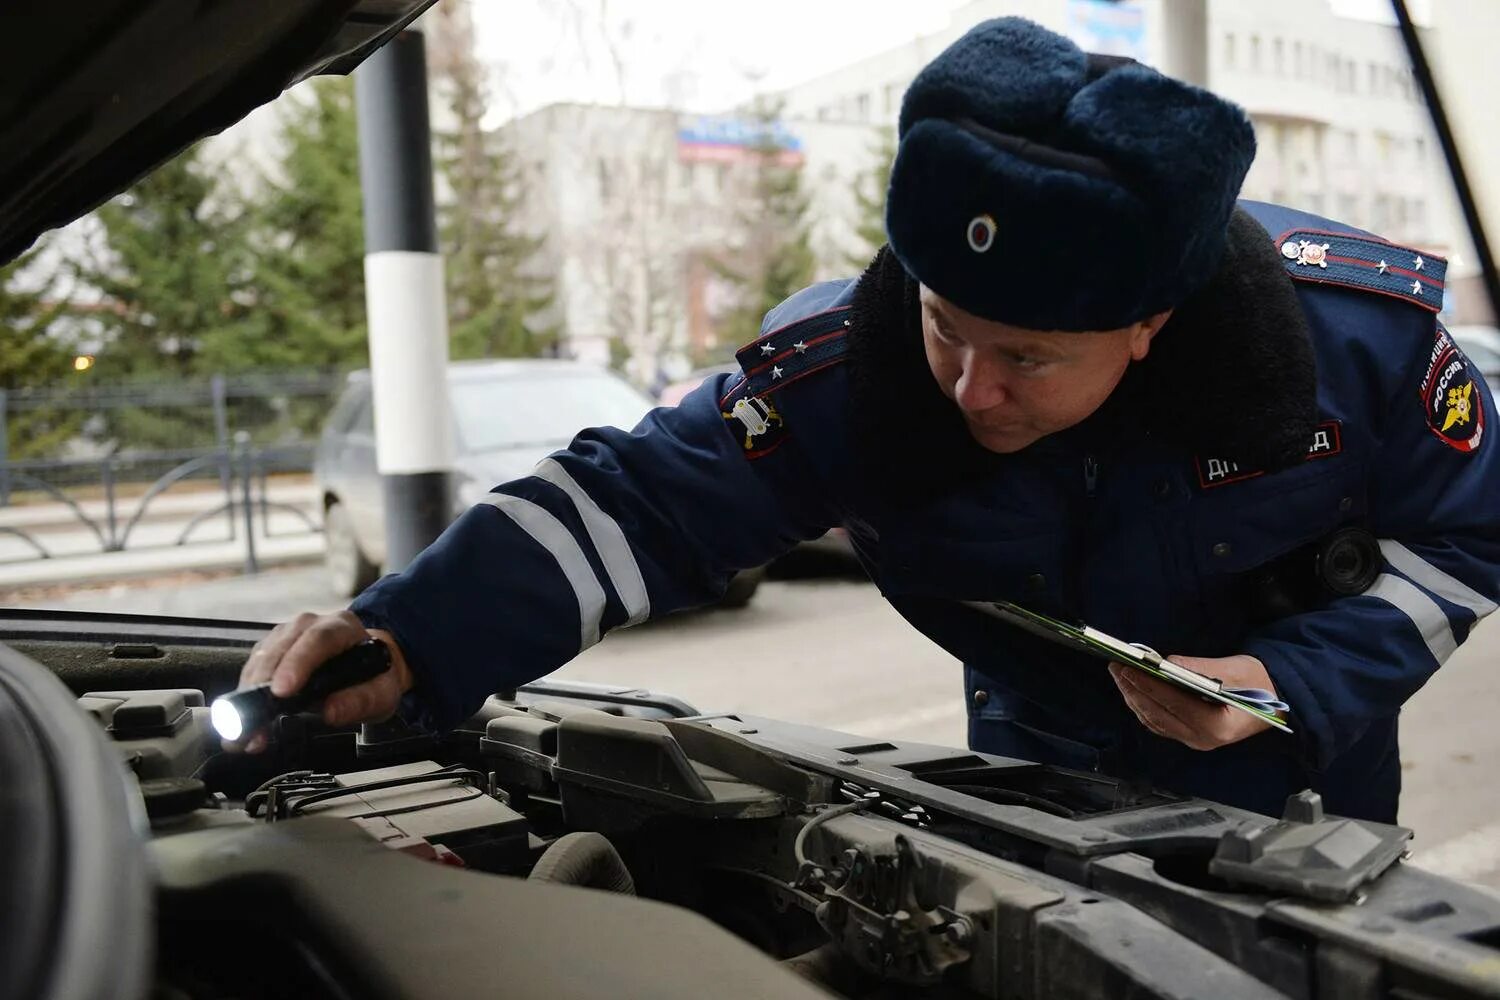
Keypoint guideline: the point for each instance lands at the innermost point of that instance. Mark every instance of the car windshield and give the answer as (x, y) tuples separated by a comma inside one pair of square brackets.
[(541, 408)]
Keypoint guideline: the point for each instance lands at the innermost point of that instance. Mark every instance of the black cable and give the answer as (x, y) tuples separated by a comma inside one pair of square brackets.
[(372, 786), (1423, 72), (284, 776), (284, 782), (255, 800), (799, 853)]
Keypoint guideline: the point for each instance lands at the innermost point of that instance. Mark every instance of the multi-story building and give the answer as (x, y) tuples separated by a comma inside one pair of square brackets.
[(642, 208), (1340, 124), (636, 210)]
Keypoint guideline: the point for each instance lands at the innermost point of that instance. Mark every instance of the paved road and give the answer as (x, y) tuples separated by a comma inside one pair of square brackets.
[(832, 653)]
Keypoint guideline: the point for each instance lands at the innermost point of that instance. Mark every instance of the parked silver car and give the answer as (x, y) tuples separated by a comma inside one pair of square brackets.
[(507, 416)]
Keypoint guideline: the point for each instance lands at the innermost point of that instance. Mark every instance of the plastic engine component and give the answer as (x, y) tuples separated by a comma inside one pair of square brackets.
[(1306, 854), (170, 798), (468, 825), (639, 761), (160, 734)]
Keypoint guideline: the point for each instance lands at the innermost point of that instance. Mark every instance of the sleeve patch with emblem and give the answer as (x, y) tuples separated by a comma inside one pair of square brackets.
[(1451, 401), (753, 421)]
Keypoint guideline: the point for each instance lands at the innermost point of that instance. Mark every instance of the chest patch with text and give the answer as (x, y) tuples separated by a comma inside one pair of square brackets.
[(1327, 441)]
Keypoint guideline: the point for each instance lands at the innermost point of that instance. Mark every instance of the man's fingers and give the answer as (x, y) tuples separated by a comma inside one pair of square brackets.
[(1155, 716), (320, 641), (374, 700), (261, 663), (1192, 710)]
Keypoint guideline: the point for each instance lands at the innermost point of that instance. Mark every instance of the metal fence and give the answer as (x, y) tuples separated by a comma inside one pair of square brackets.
[(225, 436)]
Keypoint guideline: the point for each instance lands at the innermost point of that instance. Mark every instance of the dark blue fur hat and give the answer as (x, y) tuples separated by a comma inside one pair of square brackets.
[(1050, 189)]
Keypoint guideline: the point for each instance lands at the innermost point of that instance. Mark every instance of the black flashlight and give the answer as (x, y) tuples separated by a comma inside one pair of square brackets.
[(241, 713)]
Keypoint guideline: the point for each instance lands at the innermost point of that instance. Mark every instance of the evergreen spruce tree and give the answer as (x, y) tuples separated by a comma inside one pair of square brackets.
[(869, 199), (308, 276), (33, 358), (777, 257), (494, 297), (168, 279), (172, 251)]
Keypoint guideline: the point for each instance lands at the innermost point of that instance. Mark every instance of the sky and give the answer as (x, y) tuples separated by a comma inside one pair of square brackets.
[(703, 56), (706, 55)]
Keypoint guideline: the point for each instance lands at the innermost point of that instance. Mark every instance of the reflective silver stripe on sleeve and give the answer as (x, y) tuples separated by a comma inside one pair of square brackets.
[(614, 549), (1421, 609), (552, 535), (1425, 574)]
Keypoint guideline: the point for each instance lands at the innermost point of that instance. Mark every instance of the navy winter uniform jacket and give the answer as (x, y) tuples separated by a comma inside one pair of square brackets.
[(1306, 388)]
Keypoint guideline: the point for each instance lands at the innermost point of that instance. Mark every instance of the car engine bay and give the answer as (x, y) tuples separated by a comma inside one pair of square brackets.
[(579, 840)]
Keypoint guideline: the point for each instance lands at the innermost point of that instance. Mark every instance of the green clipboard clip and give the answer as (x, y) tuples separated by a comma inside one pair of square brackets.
[(1262, 704)]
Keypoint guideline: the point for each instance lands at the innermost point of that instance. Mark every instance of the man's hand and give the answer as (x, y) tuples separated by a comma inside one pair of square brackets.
[(295, 649), (1179, 715)]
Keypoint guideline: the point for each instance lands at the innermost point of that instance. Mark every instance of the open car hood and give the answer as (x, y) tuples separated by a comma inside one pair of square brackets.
[(94, 94)]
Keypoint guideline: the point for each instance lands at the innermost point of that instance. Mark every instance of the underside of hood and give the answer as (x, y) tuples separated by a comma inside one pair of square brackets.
[(95, 93)]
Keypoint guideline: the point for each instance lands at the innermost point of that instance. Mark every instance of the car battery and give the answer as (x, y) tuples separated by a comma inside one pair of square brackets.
[(429, 812)]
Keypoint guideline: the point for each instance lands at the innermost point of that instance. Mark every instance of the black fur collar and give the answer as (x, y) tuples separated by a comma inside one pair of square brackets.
[(1237, 356)]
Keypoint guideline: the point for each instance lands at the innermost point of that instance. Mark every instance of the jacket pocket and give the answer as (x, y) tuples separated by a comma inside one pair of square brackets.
[(1252, 523)]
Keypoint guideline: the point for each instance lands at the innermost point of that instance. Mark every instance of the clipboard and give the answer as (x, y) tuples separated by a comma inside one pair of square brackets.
[(1082, 638)]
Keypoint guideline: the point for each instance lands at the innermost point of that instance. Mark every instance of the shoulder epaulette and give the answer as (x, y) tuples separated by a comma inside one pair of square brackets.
[(1364, 262), (794, 351)]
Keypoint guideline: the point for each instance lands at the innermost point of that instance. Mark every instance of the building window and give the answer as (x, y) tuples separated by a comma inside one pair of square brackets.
[(1299, 69), (603, 179), (1374, 82), (862, 107), (1270, 137), (1278, 58), (1419, 151), (1229, 53), (1255, 52), (892, 97)]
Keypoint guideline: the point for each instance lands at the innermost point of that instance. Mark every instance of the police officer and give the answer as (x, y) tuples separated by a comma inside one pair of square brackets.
[(1081, 378)]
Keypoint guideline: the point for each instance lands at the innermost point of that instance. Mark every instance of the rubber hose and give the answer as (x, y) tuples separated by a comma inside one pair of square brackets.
[(586, 859)]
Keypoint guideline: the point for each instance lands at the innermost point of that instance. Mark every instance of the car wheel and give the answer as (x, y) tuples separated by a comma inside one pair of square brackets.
[(349, 571), (742, 587)]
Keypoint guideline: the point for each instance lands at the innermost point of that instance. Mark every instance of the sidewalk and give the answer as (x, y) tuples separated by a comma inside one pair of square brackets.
[(101, 566), (175, 502)]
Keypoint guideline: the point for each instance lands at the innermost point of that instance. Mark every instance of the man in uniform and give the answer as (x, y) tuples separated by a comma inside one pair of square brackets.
[(1081, 378)]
